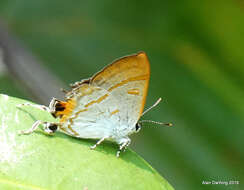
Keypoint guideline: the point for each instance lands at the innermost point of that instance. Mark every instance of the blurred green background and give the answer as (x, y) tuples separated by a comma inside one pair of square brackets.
[(197, 66)]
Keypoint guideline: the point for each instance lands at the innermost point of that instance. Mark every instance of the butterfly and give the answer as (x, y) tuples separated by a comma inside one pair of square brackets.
[(106, 106)]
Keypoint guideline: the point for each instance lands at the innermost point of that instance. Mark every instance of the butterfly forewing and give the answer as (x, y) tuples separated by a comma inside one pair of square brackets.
[(126, 79), (113, 97)]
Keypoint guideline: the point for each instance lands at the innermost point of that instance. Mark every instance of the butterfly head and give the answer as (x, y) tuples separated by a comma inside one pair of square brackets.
[(137, 127)]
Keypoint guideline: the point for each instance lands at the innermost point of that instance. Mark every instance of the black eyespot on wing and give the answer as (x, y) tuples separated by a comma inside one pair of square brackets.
[(59, 107), (54, 115), (53, 127)]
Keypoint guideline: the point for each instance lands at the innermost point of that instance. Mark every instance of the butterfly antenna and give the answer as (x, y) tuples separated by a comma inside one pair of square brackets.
[(155, 104), (156, 122)]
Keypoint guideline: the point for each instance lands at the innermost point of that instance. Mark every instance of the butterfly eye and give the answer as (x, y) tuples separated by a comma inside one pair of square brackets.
[(138, 127)]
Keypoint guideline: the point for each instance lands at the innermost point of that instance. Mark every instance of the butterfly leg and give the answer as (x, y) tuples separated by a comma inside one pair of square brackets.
[(98, 142), (48, 127), (123, 145)]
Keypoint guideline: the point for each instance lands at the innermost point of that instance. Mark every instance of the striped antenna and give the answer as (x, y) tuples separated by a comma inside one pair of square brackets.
[(155, 104), (156, 122)]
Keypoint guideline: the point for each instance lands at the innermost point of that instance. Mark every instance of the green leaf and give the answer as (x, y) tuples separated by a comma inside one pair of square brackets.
[(39, 161)]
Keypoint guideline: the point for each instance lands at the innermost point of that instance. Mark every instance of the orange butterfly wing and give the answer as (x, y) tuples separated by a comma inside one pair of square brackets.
[(113, 97), (126, 78)]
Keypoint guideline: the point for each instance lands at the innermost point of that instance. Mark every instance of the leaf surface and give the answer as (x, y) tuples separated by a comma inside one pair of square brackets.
[(59, 162)]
